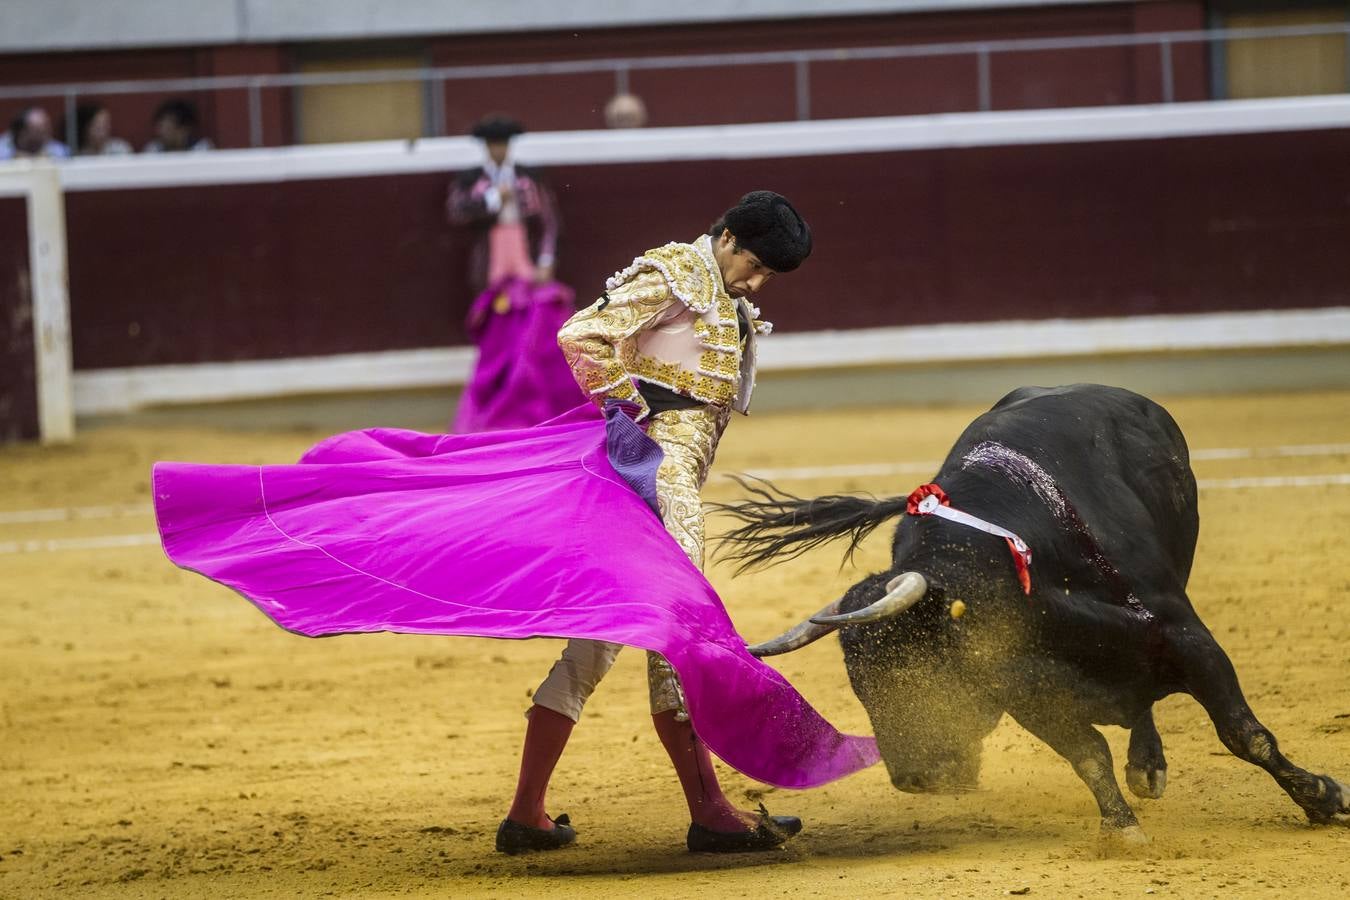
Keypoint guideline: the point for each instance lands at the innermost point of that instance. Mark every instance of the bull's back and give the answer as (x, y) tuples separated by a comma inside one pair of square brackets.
[(1118, 457)]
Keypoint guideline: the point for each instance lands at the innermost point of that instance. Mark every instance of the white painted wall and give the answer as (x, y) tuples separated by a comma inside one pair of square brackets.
[(113, 391), (824, 137), (36, 25)]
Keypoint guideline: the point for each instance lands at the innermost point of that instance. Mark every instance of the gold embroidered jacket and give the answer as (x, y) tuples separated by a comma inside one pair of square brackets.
[(668, 320)]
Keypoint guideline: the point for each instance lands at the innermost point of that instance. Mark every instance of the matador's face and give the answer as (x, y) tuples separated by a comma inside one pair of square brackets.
[(497, 151), (742, 271)]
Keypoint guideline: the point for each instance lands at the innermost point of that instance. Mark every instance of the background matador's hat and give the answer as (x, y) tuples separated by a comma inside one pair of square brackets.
[(766, 224), (496, 127)]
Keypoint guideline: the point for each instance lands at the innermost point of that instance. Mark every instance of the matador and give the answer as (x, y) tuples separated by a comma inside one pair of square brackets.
[(672, 338)]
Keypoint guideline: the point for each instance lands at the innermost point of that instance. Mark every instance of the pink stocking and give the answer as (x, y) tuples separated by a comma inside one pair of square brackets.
[(545, 738), (708, 806)]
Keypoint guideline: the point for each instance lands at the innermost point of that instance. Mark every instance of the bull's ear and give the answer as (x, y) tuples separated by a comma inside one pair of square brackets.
[(937, 590)]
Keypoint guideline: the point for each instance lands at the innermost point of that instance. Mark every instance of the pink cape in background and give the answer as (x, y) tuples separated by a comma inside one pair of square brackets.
[(515, 534), (520, 378)]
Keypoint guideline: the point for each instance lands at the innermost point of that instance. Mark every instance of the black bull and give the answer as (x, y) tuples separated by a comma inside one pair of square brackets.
[(1097, 481)]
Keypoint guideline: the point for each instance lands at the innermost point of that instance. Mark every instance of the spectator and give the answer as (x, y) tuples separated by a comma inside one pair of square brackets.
[(176, 128), (93, 129), (29, 135), (625, 111)]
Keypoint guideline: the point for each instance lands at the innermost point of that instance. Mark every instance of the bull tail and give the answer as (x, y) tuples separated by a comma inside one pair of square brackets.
[(778, 526)]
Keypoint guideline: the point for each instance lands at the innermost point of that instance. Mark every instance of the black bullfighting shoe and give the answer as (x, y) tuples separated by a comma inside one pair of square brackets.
[(514, 838), (769, 833)]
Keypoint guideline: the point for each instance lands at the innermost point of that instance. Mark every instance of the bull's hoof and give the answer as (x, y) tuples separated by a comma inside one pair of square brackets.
[(1116, 841), (1132, 834), (1129, 835), (1332, 805), (1146, 783)]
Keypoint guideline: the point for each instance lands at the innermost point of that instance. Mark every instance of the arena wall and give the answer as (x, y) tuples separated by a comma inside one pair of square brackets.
[(838, 89), (212, 273), (18, 357), (1182, 219), (676, 97), (62, 24)]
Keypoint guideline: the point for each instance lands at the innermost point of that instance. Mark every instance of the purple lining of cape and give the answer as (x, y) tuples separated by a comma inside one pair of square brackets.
[(515, 534), (634, 456)]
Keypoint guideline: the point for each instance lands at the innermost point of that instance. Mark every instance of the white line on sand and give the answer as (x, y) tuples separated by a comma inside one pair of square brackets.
[(74, 513), (1271, 452), (1266, 481), (801, 473), (1273, 481), (114, 541), (922, 468), (102, 542)]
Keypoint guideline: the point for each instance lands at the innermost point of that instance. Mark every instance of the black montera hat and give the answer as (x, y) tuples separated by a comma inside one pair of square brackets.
[(766, 224), (497, 127)]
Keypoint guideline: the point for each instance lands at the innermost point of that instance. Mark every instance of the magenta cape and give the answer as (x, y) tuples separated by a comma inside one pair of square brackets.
[(514, 534), (521, 377)]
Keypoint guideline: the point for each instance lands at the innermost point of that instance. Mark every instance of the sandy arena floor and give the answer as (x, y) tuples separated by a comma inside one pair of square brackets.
[(162, 739)]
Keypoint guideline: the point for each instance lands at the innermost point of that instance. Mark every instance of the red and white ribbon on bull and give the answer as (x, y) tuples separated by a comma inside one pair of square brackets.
[(931, 500)]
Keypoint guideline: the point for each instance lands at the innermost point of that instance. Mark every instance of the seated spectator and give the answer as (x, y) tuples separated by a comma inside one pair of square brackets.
[(625, 111), (93, 129), (176, 128), (29, 135)]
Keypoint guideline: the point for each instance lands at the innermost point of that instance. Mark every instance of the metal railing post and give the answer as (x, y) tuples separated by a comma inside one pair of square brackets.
[(985, 89), (621, 79), (255, 124), (437, 106), (72, 123), (1168, 86), (803, 80)]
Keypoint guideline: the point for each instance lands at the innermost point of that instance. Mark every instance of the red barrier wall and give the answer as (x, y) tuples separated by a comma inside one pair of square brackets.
[(1236, 222), (837, 89), (18, 372), (695, 96)]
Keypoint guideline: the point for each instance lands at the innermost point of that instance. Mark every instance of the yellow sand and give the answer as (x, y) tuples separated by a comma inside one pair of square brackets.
[(161, 738)]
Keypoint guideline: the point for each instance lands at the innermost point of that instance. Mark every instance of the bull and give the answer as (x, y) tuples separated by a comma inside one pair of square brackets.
[(1056, 593)]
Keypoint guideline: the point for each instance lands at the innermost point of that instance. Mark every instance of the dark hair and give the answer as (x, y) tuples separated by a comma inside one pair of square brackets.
[(767, 225), (496, 127), (183, 112), (17, 123), (84, 117)]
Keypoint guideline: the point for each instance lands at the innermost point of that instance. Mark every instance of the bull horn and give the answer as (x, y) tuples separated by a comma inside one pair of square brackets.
[(807, 632), (902, 592)]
